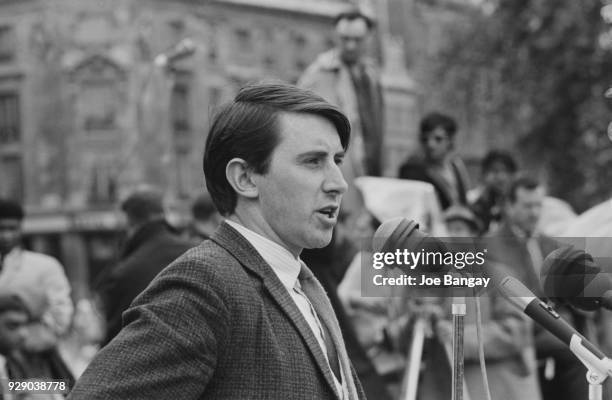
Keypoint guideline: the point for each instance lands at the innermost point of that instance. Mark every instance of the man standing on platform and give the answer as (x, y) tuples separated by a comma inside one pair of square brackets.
[(345, 77)]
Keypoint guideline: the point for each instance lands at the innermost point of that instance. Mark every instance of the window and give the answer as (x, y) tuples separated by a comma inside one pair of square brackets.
[(9, 119), (184, 173), (11, 177), (102, 189), (214, 98), (98, 106), (7, 43), (180, 107)]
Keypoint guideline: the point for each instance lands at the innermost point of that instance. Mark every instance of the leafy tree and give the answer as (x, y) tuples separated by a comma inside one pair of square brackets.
[(533, 74)]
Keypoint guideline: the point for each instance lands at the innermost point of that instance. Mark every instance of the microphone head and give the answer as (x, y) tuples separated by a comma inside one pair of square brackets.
[(515, 292), (385, 231), (566, 272)]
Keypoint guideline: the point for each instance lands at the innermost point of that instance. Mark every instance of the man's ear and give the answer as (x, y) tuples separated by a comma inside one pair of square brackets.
[(240, 177)]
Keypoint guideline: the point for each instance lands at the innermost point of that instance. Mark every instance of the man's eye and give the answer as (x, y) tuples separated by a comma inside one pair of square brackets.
[(313, 161), (339, 160)]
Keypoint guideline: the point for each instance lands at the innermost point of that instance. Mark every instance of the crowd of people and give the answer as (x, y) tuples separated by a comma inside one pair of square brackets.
[(261, 296)]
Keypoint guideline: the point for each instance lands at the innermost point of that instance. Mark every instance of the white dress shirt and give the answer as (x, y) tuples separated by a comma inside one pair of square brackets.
[(287, 268)]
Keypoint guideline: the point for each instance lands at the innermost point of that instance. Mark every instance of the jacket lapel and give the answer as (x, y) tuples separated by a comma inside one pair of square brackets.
[(245, 253)]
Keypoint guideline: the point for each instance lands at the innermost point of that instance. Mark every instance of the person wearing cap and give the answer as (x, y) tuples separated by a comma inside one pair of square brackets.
[(20, 267), (437, 164), (150, 246)]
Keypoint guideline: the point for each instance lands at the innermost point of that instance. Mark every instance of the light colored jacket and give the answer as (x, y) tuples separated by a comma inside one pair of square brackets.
[(41, 272), (331, 79)]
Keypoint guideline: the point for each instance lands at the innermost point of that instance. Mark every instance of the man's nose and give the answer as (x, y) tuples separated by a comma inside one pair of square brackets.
[(334, 181)]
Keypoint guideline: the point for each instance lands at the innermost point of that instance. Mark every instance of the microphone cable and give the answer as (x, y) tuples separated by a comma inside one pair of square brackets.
[(481, 357)]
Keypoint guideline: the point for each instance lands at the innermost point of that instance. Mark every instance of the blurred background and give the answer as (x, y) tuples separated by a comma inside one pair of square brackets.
[(99, 96)]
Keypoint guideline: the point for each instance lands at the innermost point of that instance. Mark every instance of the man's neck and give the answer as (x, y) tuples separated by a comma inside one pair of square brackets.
[(256, 223)]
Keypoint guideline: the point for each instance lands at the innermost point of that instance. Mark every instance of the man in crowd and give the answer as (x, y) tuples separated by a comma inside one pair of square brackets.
[(498, 168), (240, 316), (519, 246), (345, 77), (437, 164), (150, 246), (35, 272)]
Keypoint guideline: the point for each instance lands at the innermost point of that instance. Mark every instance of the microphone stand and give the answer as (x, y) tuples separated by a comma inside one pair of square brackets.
[(458, 311), (598, 368)]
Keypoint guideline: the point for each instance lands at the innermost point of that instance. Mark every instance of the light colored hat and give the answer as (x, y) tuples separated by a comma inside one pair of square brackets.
[(388, 198)]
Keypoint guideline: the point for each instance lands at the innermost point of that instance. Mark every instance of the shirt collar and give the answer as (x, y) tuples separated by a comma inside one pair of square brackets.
[(283, 263)]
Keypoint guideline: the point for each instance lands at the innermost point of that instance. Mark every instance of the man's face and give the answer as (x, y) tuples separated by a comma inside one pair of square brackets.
[(352, 35), (437, 144), (299, 197), (498, 177), (10, 234), (12, 330), (526, 210)]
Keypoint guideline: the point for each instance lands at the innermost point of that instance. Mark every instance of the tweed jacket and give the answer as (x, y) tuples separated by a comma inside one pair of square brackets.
[(215, 324)]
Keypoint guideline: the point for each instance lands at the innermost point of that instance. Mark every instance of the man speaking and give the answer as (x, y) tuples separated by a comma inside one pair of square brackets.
[(240, 316)]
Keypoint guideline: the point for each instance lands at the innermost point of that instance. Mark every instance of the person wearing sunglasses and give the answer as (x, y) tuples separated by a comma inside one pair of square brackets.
[(436, 162)]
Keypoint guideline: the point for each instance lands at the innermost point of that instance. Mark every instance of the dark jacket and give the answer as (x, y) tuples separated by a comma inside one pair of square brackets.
[(216, 324), (152, 248), (417, 169)]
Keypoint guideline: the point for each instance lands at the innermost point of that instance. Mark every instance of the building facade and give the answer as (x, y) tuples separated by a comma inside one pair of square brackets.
[(86, 114)]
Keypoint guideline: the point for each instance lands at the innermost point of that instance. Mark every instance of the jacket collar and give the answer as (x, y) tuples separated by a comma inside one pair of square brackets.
[(232, 241)]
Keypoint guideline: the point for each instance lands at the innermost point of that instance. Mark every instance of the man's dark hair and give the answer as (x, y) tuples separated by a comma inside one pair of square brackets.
[(524, 182), (352, 15), (498, 156), (437, 120), (247, 128), (143, 204), (10, 209)]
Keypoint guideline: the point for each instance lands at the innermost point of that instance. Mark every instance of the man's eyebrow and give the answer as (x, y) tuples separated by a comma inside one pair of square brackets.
[(319, 153)]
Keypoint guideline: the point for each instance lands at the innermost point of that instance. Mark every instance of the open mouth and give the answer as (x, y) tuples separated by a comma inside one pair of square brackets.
[(329, 212)]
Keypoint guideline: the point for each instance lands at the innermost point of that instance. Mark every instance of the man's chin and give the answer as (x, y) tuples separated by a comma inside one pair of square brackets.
[(319, 242)]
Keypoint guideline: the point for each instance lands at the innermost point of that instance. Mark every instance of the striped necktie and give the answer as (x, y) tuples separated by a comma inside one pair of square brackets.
[(309, 289)]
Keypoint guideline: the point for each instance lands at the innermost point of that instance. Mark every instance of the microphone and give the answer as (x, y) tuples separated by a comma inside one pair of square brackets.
[(549, 319), (182, 49), (402, 233), (570, 276)]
